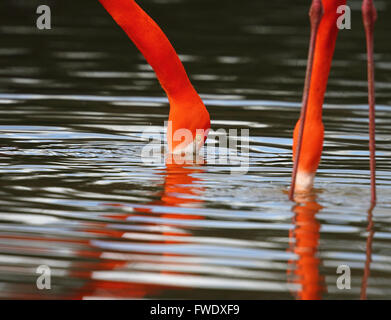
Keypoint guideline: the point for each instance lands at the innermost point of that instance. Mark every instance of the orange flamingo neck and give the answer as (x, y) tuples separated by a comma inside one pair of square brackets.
[(313, 131), (152, 43), (187, 110), (324, 51)]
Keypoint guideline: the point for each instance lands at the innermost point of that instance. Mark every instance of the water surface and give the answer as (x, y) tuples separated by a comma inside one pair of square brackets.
[(75, 194)]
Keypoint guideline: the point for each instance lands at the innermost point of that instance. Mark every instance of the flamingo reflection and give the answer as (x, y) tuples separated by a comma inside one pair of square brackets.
[(304, 242), (368, 260), (180, 189)]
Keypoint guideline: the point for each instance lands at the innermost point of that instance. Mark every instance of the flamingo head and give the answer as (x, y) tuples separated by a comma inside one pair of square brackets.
[(189, 124)]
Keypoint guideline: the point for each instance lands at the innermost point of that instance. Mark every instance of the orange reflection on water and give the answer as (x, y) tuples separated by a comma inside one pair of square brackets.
[(180, 188), (304, 242)]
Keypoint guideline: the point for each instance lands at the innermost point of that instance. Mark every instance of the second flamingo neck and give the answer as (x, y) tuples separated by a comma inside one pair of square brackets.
[(324, 51)]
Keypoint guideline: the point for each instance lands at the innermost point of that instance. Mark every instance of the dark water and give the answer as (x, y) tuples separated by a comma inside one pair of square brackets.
[(76, 196)]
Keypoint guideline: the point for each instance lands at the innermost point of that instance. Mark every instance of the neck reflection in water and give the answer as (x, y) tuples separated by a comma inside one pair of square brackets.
[(180, 189), (304, 242)]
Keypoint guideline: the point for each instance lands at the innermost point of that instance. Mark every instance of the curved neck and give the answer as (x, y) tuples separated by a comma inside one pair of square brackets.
[(324, 51), (153, 44)]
